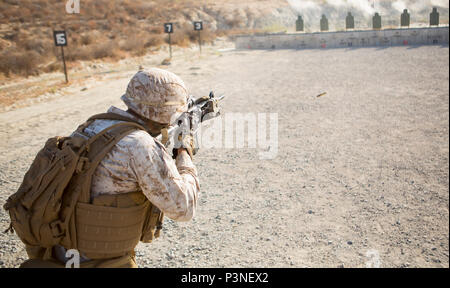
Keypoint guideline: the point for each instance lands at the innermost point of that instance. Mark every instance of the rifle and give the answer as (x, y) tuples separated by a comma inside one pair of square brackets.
[(199, 110)]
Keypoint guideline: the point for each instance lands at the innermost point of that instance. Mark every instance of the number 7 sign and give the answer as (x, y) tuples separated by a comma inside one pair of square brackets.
[(168, 27)]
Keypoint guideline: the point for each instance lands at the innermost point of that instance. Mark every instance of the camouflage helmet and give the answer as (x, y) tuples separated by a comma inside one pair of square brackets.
[(157, 95)]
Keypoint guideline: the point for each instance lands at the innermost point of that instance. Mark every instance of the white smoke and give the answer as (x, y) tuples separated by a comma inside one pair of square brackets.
[(399, 5), (421, 6), (310, 6), (363, 6), (311, 11), (363, 10)]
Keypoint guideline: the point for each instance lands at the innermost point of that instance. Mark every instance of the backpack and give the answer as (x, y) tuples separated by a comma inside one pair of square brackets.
[(60, 176)]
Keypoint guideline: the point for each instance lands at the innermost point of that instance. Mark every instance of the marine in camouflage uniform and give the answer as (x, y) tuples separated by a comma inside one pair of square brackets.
[(139, 163)]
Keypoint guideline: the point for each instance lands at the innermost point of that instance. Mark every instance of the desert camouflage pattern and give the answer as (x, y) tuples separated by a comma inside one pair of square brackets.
[(140, 163), (157, 94)]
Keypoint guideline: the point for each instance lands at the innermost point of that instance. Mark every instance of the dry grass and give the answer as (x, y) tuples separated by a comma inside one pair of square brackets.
[(23, 63), (103, 29)]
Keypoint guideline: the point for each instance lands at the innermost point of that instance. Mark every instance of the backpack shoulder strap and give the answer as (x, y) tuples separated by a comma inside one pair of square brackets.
[(113, 116), (96, 149), (150, 126), (92, 153)]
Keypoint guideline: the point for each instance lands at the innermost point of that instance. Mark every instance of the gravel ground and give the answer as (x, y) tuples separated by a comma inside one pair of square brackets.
[(362, 169)]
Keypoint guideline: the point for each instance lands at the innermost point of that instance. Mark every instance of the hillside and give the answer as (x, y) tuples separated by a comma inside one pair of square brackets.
[(115, 30)]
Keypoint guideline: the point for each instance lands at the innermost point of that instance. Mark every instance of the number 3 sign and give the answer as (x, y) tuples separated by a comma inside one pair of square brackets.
[(198, 26)]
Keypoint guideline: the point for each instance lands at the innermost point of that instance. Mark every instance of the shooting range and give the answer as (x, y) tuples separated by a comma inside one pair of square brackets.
[(404, 35), (330, 149)]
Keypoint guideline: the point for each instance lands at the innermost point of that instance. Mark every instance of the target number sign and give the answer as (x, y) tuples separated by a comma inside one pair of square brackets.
[(198, 26), (168, 28), (60, 38)]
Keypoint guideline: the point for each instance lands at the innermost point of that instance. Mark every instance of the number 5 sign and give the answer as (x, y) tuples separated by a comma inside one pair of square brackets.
[(61, 40)]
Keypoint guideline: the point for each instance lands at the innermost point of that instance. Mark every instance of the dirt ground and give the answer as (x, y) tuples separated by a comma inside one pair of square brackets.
[(361, 171)]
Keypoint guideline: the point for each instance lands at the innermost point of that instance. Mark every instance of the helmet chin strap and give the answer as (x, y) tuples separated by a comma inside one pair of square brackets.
[(154, 128)]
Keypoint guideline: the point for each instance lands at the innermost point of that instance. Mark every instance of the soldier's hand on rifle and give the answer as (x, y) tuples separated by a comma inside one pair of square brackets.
[(183, 133), (185, 137), (187, 144)]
